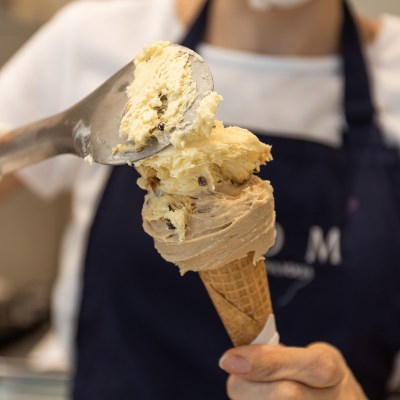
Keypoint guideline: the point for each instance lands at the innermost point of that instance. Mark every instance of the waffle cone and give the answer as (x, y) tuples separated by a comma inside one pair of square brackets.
[(239, 291)]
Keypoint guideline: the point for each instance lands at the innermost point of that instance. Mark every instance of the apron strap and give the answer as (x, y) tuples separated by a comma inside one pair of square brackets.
[(358, 107), (196, 31)]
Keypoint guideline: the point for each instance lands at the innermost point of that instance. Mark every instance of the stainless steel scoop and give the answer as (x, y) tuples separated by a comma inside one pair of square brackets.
[(90, 128)]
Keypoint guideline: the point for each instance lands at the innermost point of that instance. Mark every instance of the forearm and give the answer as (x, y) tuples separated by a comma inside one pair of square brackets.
[(8, 184)]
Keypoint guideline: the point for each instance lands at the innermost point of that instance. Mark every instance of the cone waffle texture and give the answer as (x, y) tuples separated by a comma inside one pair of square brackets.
[(240, 293)]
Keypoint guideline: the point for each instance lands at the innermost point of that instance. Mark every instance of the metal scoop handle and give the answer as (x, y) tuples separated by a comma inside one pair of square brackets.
[(65, 132), (90, 128), (34, 142)]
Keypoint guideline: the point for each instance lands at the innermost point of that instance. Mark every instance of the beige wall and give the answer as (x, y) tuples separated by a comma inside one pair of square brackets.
[(376, 7), (38, 10)]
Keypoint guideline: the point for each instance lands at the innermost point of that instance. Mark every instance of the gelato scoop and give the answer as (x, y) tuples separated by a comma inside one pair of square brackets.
[(203, 204), (167, 99)]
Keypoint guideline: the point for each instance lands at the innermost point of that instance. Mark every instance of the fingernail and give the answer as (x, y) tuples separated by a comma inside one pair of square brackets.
[(234, 364)]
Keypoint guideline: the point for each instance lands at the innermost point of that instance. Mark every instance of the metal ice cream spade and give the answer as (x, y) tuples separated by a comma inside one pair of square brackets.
[(90, 128)]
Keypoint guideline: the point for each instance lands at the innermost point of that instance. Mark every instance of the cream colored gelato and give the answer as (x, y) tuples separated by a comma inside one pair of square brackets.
[(159, 97), (204, 207)]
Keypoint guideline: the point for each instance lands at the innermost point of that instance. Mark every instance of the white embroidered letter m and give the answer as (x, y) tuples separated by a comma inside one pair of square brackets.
[(324, 248)]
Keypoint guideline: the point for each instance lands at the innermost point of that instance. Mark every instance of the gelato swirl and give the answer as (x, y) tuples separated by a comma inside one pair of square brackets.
[(221, 227)]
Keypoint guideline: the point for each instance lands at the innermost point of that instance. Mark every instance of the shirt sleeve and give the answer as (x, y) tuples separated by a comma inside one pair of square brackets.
[(33, 85)]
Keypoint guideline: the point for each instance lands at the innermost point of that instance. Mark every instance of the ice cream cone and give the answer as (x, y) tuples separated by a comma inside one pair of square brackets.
[(204, 207), (239, 291)]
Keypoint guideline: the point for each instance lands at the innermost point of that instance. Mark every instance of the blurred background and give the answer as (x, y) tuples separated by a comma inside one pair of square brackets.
[(28, 267)]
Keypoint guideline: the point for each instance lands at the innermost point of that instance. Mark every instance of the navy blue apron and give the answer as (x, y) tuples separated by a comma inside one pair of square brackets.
[(145, 332)]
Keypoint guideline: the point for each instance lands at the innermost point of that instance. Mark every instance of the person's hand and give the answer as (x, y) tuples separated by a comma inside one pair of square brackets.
[(317, 372)]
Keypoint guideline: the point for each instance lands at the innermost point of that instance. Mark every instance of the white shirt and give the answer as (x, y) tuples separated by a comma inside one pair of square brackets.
[(88, 41)]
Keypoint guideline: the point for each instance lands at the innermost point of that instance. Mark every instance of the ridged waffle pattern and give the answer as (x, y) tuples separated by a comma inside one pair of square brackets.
[(240, 293)]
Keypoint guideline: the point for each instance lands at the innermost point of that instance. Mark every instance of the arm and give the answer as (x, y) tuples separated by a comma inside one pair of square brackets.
[(33, 85), (8, 184), (317, 372)]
